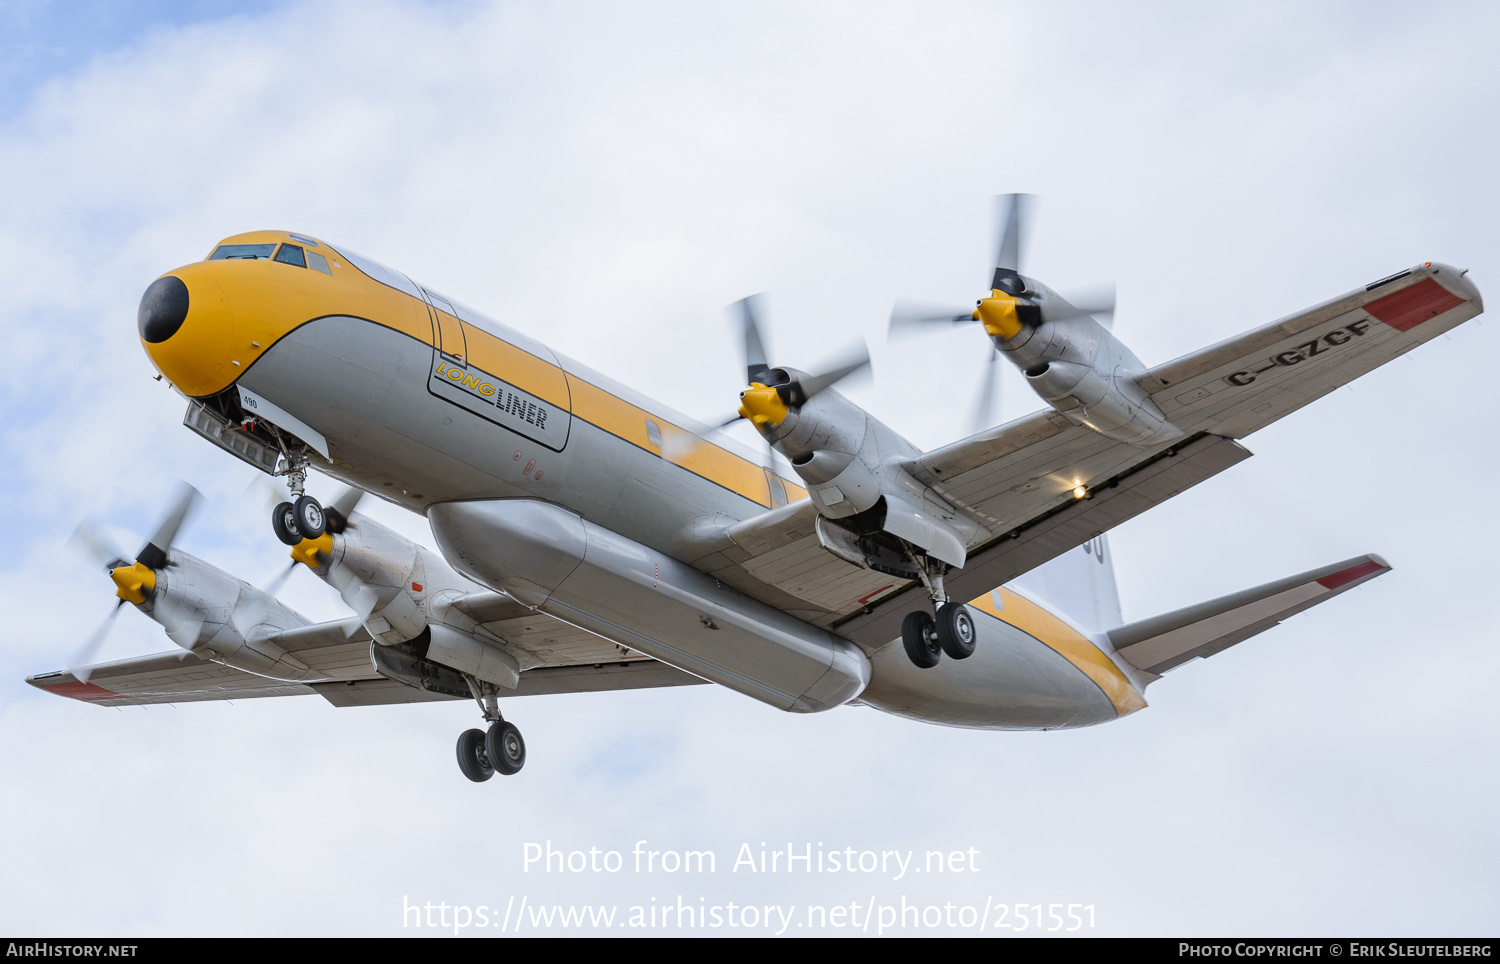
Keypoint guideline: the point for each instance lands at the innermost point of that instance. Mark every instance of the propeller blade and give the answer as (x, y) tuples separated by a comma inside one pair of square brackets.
[(362, 600), (154, 555), (907, 316), (855, 361), (1016, 212), (347, 501), (183, 625), (1098, 302), (747, 312), (79, 665), (281, 578), (265, 492), (357, 595), (680, 443), (90, 539), (987, 392)]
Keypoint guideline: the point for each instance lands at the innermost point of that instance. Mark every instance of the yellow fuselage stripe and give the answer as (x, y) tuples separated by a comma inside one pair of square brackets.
[(245, 307), (1068, 643)]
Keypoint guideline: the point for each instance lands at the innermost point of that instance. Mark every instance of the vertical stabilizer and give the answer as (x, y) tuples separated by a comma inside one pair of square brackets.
[(1078, 585)]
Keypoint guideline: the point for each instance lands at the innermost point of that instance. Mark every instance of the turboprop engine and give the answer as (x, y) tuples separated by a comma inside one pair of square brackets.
[(203, 609), (408, 599), (871, 512), (851, 464), (1074, 363)]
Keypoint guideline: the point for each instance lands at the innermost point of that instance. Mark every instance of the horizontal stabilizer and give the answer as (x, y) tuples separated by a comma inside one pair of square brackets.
[(1165, 642)]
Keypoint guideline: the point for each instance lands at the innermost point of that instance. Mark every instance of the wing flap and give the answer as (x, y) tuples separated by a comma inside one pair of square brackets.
[(1163, 643)]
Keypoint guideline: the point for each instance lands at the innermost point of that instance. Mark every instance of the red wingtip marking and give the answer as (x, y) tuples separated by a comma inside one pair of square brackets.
[(1349, 575), (1409, 307), (87, 692)]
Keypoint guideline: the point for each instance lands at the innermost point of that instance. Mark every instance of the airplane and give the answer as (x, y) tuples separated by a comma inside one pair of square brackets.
[(591, 539)]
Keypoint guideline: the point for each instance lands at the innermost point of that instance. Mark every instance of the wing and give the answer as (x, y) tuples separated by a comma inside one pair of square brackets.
[(1018, 480), (776, 558), (1248, 382), (338, 652), (178, 677)]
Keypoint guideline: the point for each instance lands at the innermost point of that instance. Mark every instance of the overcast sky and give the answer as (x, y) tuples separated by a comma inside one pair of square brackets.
[(606, 177)]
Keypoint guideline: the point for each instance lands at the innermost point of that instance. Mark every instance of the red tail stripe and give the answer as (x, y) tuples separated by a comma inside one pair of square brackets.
[(1349, 575)]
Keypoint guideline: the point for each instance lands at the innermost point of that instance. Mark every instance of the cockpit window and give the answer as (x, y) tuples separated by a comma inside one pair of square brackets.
[(291, 254), (318, 262), (226, 252)]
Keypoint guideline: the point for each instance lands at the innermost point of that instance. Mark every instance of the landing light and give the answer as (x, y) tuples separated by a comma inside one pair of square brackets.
[(1080, 492)]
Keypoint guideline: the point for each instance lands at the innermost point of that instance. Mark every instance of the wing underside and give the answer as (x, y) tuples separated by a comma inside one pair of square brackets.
[(560, 659), (1018, 481)]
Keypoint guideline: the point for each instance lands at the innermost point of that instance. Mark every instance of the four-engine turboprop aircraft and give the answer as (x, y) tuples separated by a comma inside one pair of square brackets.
[(593, 540)]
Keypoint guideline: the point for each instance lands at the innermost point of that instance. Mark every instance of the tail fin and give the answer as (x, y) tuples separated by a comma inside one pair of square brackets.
[(1078, 585), (1163, 643)]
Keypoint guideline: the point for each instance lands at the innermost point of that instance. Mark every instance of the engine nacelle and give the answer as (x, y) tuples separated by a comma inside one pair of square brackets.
[(379, 574), (406, 594), (219, 617), (1084, 372), (851, 463)]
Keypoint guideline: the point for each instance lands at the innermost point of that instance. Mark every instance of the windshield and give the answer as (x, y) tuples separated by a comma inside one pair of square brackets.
[(227, 251)]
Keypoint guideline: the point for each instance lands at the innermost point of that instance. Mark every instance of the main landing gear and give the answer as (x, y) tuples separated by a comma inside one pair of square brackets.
[(952, 631), (499, 749)]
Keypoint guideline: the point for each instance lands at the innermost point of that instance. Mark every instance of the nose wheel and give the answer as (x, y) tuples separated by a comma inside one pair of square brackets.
[(304, 518)]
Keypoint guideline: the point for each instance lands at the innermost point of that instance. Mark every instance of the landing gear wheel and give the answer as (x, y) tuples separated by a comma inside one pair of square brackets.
[(472, 758), (309, 514), (284, 524), (334, 521), (955, 631), (504, 747), (919, 636)]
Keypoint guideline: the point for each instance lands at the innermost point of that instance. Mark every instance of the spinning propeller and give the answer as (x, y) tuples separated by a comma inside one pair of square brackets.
[(135, 582), (772, 392), (1013, 303)]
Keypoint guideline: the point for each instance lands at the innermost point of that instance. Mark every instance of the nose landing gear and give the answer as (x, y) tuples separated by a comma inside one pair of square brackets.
[(302, 517)]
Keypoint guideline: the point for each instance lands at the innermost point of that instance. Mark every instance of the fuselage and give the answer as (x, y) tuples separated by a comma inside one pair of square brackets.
[(423, 401)]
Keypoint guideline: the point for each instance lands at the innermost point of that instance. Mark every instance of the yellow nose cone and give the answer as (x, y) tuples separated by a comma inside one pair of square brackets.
[(188, 331), (308, 551), (133, 582), (998, 313), (762, 406)]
